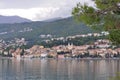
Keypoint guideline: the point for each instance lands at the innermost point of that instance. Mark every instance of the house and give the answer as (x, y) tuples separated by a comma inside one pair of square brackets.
[(43, 55)]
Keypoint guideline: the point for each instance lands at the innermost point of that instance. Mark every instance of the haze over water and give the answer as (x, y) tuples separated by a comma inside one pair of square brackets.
[(52, 69)]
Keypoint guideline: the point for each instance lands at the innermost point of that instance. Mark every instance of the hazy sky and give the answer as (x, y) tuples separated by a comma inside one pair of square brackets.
[(39, 9)]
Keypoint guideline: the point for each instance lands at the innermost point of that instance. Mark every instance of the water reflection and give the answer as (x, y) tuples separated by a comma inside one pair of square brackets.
[(51, 69)]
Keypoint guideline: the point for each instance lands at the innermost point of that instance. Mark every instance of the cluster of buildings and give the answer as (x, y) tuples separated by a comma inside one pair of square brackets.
[(14, 42), (7, 47), (103, 33), (27, 29), (100, 49)]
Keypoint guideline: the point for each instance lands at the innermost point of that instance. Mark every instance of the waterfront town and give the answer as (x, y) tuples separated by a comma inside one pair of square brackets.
[(101, 48)]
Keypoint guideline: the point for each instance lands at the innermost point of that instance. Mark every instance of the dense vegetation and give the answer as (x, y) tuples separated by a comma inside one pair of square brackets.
[(106, 15)]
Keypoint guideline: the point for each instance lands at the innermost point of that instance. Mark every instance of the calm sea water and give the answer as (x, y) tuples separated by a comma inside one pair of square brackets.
[(51, 69)]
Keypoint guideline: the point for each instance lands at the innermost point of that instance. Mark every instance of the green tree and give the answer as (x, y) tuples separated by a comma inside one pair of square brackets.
[(105, 15)]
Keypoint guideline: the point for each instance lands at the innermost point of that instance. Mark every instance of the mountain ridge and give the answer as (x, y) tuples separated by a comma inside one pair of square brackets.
[(12, 19)]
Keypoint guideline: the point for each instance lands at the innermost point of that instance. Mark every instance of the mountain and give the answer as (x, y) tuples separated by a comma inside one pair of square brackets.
[(12, 19), (53, 19), (33, 30)]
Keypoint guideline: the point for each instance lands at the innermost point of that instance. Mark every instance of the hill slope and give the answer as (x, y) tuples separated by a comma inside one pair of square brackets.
[(12, 19), (32, 30)]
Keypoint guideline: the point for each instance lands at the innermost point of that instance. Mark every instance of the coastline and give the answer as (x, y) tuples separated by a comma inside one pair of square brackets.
[(61, 58)]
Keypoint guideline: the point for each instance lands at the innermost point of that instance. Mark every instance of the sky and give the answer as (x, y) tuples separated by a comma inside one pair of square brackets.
[(38, 10)]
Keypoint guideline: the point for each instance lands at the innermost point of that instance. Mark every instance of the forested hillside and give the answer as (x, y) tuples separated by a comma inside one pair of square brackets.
[(32, 30)]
